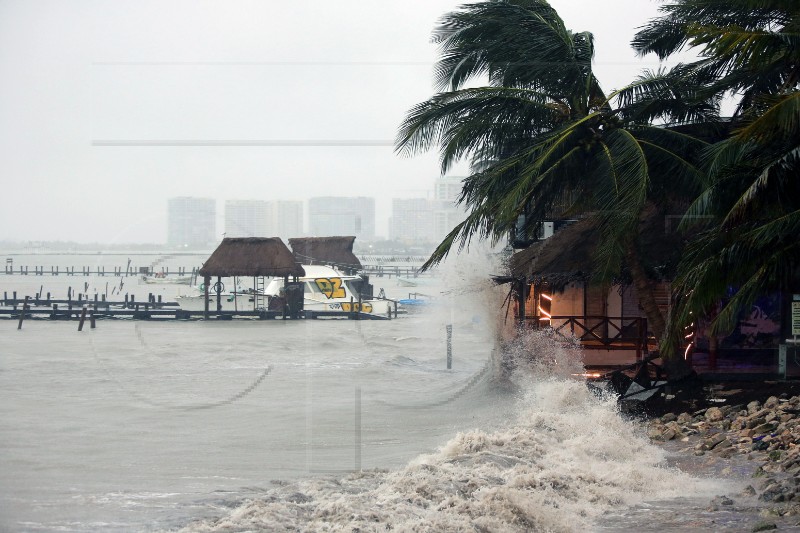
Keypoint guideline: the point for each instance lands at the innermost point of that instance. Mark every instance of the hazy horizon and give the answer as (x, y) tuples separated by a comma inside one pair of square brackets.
[(108, 109)]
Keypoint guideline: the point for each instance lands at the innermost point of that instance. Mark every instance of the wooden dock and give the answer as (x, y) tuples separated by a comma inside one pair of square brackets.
[(380, 271), (154, 308)]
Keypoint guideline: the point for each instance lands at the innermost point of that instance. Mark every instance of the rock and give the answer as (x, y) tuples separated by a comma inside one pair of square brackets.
[(749, 491), (721, 500), (724, 453), (669, 417), (699, 452), (669, 434), (714, 414), (764, 428), (654, 432), (771, 402), (764, 526), (753, 407), (684, 418), (773, 493), (715, 440)]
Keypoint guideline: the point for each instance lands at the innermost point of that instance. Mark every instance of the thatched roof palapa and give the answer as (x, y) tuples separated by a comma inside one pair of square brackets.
[(561, 259), (336, 251), (251, 256), (568, 256)]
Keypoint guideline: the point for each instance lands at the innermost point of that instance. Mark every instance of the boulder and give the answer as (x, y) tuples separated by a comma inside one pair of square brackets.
[(714, 414)]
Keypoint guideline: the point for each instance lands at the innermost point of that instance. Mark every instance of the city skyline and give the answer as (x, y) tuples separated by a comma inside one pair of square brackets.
[(342, 215), (110, 108)]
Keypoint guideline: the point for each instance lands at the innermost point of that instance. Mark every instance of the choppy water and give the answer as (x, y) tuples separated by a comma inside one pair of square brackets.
[(314, 425)]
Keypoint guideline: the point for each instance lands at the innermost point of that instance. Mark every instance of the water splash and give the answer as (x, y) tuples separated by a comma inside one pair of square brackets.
[(564, 460)]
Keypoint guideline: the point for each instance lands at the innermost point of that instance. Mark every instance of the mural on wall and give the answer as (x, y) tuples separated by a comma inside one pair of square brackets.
[(758, 328)]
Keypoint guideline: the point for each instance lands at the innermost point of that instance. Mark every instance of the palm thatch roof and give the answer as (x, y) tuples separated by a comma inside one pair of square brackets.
[(251, 256), (568, 256), (336, 251)]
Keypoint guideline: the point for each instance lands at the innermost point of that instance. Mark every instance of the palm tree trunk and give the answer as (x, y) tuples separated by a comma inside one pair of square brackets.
[(644, 291), (675, 366)]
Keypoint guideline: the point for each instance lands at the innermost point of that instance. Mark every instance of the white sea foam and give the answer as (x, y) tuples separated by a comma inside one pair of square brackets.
[(567, 458)]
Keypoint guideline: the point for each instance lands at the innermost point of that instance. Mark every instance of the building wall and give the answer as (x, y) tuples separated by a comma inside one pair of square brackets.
[(330, 216), (191, 222), (447, 215), (285, 219), (246, 218), (412, 220)]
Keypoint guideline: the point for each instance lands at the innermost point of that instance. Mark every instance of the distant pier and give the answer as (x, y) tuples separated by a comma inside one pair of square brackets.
[(48, 308)]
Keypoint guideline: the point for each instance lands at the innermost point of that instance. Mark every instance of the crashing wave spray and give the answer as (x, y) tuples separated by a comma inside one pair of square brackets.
[(566, 458)]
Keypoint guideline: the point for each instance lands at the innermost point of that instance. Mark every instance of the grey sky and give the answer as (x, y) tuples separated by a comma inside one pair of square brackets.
[(78, 72)]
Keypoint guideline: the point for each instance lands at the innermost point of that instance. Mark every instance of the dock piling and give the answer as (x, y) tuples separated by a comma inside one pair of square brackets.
[(83, 319), (22, 313), (449, 330)]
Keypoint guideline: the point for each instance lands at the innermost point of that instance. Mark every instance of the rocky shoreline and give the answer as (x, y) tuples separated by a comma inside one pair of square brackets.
[(763, 435)]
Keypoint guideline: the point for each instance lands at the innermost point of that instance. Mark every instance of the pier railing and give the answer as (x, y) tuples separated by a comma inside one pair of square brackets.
[(98, 271), (599, 332)]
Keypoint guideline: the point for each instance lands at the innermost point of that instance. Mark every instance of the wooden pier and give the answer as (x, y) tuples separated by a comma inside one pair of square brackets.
[(380, 271), (86, 271), (47, 308)]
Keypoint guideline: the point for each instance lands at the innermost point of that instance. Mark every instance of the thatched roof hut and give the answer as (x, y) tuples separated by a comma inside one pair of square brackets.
[(251, 256), (568, 256), (337, 251)]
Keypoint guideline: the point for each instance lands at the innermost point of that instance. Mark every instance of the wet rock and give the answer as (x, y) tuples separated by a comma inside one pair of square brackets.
[(714, 414), (722, 500), (712, 442), (749, 491), (654, 432), (771, 402), (763, 428), (753, 407), (684, 419), (764, 526), (669, 417)]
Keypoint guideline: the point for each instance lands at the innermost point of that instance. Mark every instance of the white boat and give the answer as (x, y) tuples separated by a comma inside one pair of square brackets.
[(324, 289)]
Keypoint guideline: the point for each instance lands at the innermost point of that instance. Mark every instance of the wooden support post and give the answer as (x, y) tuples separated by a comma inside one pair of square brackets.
[(449, 330), (55, 311), (22, 313), (91, 318), (206, 283), (218, 290), (83, 319)]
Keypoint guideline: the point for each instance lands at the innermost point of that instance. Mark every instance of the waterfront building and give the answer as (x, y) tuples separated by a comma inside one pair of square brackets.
[(284, 219), (334, 215), (447, 214), (246, 218), (191, 222), (412, 220)]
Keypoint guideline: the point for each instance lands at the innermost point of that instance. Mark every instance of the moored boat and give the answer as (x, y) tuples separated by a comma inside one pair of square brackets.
[(324, 289)]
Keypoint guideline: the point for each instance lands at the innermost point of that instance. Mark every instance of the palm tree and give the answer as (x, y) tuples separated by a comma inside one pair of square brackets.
[(749, 214), (545, 141)]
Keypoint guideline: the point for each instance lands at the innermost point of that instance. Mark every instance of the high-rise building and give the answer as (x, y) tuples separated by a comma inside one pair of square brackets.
[(412, 220), (191, 222), (285, 218), (246, 218), (332, 215), (447, 214)]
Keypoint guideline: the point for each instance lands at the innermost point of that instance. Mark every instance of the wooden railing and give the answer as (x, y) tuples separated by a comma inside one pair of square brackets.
[(602, 332)]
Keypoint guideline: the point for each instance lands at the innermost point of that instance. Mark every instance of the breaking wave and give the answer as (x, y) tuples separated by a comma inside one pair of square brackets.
[(564, 459)]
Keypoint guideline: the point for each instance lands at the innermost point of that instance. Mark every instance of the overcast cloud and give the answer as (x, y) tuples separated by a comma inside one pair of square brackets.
[(78, 74)]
